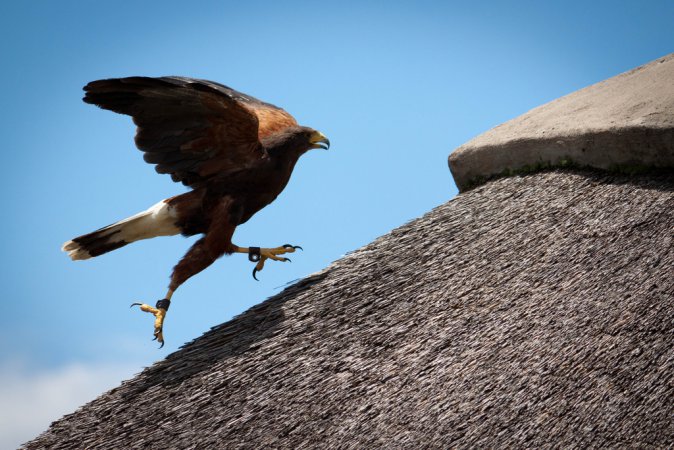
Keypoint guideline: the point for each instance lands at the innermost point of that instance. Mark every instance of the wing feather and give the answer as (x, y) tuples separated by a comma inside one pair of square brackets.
[(271, 118), (191, 129)]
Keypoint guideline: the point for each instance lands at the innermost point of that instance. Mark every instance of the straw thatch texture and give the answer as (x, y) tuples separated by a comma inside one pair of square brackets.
[(532, 311)]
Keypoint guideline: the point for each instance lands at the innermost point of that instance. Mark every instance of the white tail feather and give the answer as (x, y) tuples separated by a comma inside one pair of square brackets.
[(158, 220)]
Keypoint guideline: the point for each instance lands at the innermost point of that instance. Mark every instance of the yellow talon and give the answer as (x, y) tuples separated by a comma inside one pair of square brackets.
[(272, 253), (260, 255), (159, 314), (260, 265)]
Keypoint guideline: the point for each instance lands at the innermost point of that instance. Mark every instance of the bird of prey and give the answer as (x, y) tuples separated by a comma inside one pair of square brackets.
[(235, 152)]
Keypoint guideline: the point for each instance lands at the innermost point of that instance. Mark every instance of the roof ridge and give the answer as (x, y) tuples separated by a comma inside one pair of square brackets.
[(623, 123)]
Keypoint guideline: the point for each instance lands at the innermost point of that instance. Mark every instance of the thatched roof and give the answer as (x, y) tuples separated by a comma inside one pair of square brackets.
[(625, 123), (531, 311)]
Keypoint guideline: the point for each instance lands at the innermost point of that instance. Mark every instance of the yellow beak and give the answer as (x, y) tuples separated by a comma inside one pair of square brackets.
[(318, 140)]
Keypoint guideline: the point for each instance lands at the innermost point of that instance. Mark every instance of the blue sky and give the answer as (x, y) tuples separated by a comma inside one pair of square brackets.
[(396, 86)]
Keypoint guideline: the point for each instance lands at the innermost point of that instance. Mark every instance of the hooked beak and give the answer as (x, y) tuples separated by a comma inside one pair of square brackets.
[(318, 140)]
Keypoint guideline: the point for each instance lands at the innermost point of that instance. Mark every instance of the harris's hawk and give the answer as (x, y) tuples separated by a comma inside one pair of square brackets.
[(235, 152)]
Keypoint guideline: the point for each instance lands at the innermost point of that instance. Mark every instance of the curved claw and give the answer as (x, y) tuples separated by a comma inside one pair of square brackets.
[(156, 336), (295, 247), (254, 272), (135, 304), (287, 260)]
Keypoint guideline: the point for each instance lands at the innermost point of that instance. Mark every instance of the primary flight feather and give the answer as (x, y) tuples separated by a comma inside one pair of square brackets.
[(236, 153)]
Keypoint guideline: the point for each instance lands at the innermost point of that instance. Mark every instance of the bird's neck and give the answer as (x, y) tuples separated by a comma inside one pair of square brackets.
[(284, 157)]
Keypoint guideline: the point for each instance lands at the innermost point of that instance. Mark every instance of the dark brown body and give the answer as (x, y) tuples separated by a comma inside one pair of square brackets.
[(248, 191), (224, 202)]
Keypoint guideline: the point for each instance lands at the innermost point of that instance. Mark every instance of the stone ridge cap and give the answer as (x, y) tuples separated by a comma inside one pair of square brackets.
[(556, 134), (624, 121)]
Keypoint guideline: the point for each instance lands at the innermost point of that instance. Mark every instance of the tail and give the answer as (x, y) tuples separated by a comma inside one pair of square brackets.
[(159, 220)]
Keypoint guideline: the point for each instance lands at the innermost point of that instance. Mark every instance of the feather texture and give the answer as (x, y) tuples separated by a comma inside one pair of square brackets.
[(194, 129)]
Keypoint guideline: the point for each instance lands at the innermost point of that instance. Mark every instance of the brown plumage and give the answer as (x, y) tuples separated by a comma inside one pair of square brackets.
[(236, 153)]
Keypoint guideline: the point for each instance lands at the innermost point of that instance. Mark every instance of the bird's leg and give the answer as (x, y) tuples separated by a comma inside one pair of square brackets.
[(197, 258), (215, 243), (260, 255), (159, 312)]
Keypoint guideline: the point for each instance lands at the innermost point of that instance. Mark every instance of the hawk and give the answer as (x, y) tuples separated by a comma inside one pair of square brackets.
[(235, 152)]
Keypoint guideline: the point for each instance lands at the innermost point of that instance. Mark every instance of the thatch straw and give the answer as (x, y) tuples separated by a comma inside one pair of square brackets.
[(532, 311)]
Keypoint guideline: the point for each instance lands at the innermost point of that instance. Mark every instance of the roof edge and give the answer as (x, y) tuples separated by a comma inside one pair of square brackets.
[(629, 150)]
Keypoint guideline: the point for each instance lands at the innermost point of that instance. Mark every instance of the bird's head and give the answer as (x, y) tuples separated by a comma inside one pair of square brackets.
[(298, 140)]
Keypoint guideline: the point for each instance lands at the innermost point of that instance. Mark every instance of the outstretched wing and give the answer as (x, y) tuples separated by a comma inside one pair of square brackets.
[(191, 129)]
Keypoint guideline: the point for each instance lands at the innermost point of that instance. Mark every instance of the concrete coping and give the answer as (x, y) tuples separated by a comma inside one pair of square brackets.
[(623, 123)]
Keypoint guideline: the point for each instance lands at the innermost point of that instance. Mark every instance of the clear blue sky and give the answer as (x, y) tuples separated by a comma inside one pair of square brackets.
[(396, 86)]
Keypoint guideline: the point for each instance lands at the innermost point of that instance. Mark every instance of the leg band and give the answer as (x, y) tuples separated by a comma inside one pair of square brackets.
[(254, 254), (163, 304)]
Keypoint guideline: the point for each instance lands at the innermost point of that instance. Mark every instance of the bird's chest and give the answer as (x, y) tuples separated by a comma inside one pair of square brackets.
[(260, 195), (253, 190)]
